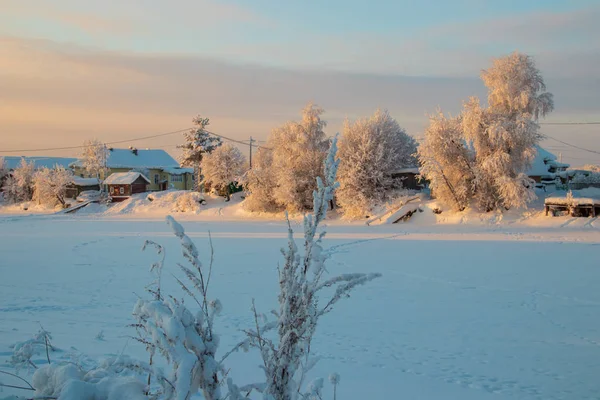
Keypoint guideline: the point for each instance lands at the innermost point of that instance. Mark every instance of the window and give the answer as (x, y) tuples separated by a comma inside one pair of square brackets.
[(122, 190), (176, 178), (156, 178)]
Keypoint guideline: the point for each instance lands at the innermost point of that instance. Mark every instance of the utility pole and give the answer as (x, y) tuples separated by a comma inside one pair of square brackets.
[(560, 157), (251, 141)]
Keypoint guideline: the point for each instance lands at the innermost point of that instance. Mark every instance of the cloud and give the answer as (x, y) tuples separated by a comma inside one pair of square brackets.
[(55, 94)]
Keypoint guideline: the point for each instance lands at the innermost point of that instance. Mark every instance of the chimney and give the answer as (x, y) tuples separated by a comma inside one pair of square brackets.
[(134, 150)]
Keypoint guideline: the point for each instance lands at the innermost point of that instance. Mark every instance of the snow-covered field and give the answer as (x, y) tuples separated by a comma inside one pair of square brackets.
[(463, 311)]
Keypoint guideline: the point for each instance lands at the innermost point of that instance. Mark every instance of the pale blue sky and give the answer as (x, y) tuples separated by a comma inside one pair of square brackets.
[(98, 68)]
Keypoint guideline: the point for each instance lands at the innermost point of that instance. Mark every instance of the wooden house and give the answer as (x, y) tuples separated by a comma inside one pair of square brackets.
[(121, 185), (162, 170), (81, 185)]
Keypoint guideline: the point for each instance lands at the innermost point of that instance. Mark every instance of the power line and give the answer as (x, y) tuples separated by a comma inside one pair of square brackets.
[(128, 141), (81, 146), (572, 145), (570, 123), (237, 141)]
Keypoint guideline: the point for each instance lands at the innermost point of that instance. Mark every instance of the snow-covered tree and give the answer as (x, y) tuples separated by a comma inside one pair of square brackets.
[(500, 138), (287, 359), (446, 162), (259, 183), (19, 185), (298, 153), (516, 87), (93, 157), (225, 165), (503, 135), (198, 142), (4, 173), (371, 150), (50, 185)]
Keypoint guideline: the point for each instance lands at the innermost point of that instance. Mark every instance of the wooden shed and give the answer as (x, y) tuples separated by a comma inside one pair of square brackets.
[(121, 185), (81, 185)]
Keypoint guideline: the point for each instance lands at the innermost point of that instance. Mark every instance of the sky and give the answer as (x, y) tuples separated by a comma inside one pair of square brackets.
[(71, 70)]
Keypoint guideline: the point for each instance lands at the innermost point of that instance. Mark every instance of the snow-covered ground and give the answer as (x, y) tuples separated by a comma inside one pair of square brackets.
[(469, 307)]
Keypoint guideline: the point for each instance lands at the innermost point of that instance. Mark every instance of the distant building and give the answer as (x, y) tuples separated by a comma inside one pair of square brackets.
[(162, 170), (121, 185), (545, 167), (409, 178)]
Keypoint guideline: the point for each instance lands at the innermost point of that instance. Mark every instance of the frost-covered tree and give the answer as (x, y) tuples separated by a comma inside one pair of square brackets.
[(50, 185), (19, 185), (198, 142), (516, 87), (4, 174), (94, 157), (500, 137), (371, 150), (299, 149), (503, 135), (286, 360), (446, 162), (225, 165), (259, 183)]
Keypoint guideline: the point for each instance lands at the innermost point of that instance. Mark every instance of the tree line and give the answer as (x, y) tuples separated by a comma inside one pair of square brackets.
[(478, 158)]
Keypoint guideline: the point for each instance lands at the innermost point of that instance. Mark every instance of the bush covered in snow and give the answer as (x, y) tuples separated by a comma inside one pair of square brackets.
[(50, 185), (371, 151), (18, 186), (225, 165)]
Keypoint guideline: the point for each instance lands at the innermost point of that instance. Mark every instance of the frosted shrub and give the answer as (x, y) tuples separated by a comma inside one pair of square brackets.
[(184, 338), (18, 186), (225, 165), (37, 345), (371, 151), (50, 185), (286, 360)]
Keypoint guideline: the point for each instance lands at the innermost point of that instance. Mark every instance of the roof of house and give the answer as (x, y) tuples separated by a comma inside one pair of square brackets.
[(542, 163), (85, 181), (124, 178), (138, 158), (13, 162)]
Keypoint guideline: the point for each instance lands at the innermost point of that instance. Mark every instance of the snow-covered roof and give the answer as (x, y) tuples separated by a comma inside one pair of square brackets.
[(542, 163), (408, 170), (178, 170), (85, 181), (578, 201), (13, 162), (138, 158), (124, 178)]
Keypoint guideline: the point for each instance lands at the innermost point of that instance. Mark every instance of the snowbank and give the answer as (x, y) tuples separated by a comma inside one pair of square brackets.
[(162, 203)]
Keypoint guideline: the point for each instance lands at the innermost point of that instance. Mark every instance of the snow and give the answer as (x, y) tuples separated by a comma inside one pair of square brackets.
[(412, 170), (85, 181), (145, 158), (13, 162), (471, 311), (124, 178), (579, 201), (542, 162)]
